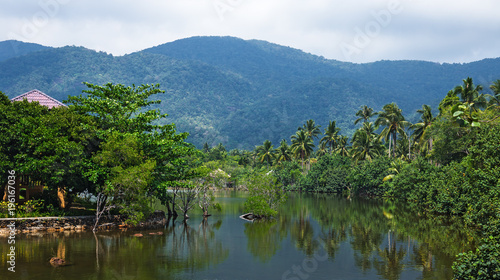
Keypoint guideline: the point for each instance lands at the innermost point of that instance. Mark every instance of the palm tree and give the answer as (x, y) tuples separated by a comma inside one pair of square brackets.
[(331, 136), (469, 94), (322, 149), (342, 148), (283, 152), (495, 98), (365, 144), (312, 130), (394, 122), (302, 145), (364, 114), (266, 152), (421, 128)]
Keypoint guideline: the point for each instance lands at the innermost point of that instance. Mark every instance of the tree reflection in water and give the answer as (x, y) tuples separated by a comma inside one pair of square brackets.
[(364, 237), (178, 248), (265, 236)]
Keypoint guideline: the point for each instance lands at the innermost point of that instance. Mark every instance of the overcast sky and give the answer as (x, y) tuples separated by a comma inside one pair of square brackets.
[(355, 30)]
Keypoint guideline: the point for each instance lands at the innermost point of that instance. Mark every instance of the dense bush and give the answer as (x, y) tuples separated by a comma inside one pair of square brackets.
[(367, 177), (484, 263), (288, 174), (265, 196), (329, 174)]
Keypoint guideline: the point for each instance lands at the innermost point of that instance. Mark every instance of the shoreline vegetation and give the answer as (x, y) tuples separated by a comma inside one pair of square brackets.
[(107, 153)]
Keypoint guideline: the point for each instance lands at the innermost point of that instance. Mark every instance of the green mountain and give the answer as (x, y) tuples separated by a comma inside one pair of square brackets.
[(13, 48), (241, 92)]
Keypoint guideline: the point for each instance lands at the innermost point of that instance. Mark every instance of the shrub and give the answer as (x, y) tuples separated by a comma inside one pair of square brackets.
[(484, 263), (367, 177), (329, 174), (265, 196)]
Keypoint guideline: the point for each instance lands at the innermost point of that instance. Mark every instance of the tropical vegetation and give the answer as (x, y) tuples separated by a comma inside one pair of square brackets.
[(109, 143)]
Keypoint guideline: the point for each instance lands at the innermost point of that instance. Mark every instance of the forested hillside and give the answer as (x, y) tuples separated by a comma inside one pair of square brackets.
[(240, 92)]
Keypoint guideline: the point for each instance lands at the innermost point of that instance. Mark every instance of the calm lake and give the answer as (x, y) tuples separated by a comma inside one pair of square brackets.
[(316, 237)]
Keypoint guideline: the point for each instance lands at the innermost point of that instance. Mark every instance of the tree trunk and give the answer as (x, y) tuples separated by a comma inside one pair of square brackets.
[(394, 145), (390, 142), (169, 211)]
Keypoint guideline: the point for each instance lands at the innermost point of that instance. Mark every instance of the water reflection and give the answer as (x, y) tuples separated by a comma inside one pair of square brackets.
[(358, 239)]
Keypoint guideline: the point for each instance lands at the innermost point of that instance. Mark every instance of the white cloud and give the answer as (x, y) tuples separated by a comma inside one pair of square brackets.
[(443, 31)]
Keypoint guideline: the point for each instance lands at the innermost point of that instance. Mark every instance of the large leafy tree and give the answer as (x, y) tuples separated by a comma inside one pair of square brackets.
[(126, 175), (393, 121), (119, 107), (50, 145), (124, 110)]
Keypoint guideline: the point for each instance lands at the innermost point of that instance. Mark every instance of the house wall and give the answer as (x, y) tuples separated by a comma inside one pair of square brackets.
[(25, 188)]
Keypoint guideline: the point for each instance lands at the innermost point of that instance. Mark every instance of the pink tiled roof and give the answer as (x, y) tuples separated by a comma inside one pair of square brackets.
[(42, 98)]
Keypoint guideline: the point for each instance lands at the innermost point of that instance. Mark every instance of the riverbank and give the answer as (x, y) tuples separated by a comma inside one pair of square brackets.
[(75, 223)]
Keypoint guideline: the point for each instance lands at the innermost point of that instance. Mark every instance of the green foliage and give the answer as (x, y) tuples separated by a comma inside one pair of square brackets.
[(367, 178), (127, 174), (4, 209), (265, 196), (118, 107), (393, 121), (31, 207), (329, 174), (484, 263), (288, 174)]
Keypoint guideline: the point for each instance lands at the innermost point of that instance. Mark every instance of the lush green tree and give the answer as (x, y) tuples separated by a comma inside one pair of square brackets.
[(364, 114), (322, 149), (288, 174), (329, 174), (177, 163), (265, 196), (126, 175), (343, 147), (302, 145), (218, 152), (449, 100), (331, 136), (118, 107), (214, 180), (312, 130), (421, 133), (365, 144), (495, 97), (367, 177), (393, 121), (266, 152), (125, 110), (451, 142), (283, 152), (52, 146), (470, 94)]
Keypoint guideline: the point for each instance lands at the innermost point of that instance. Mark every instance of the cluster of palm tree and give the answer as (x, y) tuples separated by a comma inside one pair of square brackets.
[(397, 138), (302, 145), (466, 102)]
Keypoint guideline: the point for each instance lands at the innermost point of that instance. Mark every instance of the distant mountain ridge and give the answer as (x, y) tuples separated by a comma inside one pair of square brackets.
[(240, 92), (12, 48)]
